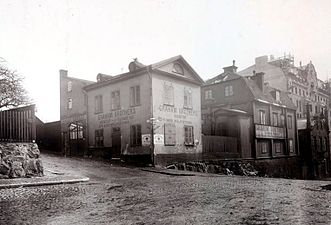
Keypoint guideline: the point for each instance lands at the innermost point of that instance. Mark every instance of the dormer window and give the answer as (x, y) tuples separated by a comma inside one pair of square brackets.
[(178, 69), (278, 96)]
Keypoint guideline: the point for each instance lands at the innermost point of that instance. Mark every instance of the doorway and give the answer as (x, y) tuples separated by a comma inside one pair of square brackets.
[(116, 142)]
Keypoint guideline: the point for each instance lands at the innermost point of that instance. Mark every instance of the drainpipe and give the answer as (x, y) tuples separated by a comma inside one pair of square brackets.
[(151, 119)]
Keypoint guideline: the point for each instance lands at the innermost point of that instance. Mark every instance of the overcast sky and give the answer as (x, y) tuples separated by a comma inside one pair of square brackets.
[(87, 37)]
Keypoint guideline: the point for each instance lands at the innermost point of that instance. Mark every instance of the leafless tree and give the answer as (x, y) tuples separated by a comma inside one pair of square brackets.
[(12, 92)]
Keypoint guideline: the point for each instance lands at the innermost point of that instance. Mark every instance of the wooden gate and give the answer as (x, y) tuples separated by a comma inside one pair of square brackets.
[(18, 125)]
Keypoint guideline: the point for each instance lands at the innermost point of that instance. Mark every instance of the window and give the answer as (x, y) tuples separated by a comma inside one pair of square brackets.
[(262, 117), (69, 86), (189, 137), (263, 145), (277, 96), (98, 104), (99, 138), (115, 100), (135, 135), (168, 94), (70, 103), (290, 145), (209, 94), (289, 122), (282, 120), (300, 106), (169, 134), (275, 119), (178, 69), (229, 90), (76, 131), (299, 91), (135, 95), (278, 147), (187, 98)]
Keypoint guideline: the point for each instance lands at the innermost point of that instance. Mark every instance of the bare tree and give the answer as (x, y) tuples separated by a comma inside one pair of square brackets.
[(12, 92)]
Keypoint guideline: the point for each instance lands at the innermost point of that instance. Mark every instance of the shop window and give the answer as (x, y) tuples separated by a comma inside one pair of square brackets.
[(70, 103), (262, 118), (187, 98), (228, 90), (168, 94), (135, 95), (264, 147), (208, 94), (99, 138), (169, 134), (98, 104), (115, 100), (278, 147), (290, 145), (189, 136), (289, 122), (135, 135)]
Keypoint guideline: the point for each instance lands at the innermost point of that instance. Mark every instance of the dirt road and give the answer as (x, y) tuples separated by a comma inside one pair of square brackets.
[(122, 195)]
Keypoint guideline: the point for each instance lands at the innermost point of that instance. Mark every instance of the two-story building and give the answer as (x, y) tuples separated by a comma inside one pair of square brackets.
[(247, 119), (149, 113)]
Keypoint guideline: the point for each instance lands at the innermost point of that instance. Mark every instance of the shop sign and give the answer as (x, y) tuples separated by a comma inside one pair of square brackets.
[(263, 131)]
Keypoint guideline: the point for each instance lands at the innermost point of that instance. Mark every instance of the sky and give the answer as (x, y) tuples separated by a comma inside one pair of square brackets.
[(38, 38)]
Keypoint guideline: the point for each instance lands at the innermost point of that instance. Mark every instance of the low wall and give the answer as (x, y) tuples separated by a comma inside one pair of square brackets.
[(20, 160)]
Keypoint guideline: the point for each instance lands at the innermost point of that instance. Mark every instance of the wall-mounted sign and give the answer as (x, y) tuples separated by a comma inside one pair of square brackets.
[(263, 131), (146, 139), (158, 139)]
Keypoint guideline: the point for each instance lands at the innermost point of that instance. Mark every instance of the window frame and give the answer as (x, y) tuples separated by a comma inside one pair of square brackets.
[(135, 135), (135, 99), (228, 90), (188, 135), (98, 104), (262, 117), (99, 138), (172, 134), (115, 103)]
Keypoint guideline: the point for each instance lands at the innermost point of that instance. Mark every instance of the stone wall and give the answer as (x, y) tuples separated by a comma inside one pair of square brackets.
[(20, 160)]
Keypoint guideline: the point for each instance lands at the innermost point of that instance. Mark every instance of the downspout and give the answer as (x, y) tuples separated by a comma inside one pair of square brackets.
[(151, 116)]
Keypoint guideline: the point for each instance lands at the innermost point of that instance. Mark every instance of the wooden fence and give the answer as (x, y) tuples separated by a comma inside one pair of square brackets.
[(220, 147), (18, 125)]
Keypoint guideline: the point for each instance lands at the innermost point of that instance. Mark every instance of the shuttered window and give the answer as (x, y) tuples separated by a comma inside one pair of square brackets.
[(169, 134)]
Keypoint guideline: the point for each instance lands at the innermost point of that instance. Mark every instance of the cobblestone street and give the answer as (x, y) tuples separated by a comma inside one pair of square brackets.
[(124, 195)]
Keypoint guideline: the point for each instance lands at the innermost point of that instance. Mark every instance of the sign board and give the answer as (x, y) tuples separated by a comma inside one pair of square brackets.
[(158, 139), (263, 131), (146, 139)]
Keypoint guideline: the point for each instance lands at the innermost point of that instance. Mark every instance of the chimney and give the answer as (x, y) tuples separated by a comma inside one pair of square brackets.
[(261, 61), (259, 79), (64, 73), (231, 69)]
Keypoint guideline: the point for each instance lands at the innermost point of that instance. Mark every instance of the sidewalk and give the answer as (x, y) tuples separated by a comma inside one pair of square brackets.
[(50, 178)]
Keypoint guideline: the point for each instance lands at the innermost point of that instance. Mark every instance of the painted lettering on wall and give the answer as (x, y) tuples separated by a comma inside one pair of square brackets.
[(116, 117), (180, 111)]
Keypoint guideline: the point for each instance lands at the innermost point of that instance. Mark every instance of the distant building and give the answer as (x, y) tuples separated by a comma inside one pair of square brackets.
[(244, 118), (299, 82), (150, 113)]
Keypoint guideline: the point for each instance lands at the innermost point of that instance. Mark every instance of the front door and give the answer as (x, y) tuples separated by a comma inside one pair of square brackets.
[(116, 140)]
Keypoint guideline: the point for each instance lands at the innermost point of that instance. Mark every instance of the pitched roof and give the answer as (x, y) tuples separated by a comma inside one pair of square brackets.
[(226, 76), (141, 69)]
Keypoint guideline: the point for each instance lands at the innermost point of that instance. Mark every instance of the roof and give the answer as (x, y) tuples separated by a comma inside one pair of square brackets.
[(141, 69), (225, 76), (265, 96)]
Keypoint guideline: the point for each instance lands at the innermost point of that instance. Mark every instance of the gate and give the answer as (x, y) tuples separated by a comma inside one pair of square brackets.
[(220, 147), (18, 125)]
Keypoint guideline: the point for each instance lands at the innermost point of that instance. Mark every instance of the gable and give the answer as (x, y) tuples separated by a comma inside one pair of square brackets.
[(178, 67)]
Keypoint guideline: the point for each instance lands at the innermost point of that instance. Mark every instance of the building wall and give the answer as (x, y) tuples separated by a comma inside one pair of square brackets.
[(177, 115), (123, 118), (76, 114)]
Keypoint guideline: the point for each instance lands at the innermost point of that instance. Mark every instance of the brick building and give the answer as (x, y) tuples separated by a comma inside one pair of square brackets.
[(149, 113)]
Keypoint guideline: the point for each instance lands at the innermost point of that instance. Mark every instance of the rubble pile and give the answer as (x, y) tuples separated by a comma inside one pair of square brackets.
[(20, 160), (225, 167)]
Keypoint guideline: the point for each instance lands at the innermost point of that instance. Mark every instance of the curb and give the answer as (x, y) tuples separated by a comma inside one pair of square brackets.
[(168, 173), (44, 183)]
